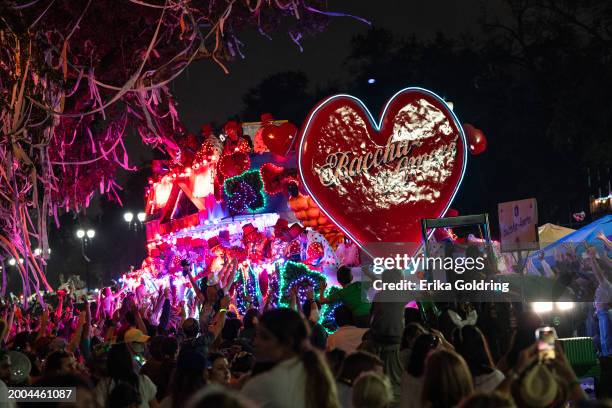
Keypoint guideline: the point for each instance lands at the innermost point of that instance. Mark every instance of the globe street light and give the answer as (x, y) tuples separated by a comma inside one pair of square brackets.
[(128, 217), (134, 219), (85, 237)]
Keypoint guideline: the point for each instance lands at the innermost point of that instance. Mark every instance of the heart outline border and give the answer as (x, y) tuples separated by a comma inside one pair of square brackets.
[(377, 125)]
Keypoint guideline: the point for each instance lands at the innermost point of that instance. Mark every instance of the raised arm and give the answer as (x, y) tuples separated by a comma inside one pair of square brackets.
[(220, 317), (9, 324), (232, 267), (194, 285), (44, 321), (592, 256), (76, 336)]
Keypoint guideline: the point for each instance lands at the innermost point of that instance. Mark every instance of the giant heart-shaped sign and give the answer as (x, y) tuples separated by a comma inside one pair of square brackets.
[(376, 181)]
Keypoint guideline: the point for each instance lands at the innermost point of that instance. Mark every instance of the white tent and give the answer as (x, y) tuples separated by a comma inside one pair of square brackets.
[(549, 233)]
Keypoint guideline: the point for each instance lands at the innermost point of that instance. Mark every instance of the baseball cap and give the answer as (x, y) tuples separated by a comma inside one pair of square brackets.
[(135, 336)]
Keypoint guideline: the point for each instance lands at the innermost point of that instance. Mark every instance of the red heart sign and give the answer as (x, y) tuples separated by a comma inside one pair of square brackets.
[(376, 181)]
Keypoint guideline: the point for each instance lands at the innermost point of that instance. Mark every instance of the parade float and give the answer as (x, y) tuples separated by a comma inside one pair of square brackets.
[(236, 197), (289, 207)]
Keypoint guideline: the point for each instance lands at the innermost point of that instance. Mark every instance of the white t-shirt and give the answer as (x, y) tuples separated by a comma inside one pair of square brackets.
[(489, 382), (145, 386), (281, 387), (410, 391), (4, 401), (346, 338)]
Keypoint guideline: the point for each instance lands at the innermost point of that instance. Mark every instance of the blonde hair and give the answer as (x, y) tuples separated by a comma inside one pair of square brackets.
[(372, 390), (447, 379)]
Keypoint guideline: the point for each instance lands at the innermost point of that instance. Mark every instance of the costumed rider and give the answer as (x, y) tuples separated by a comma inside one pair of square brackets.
[(246, 282), (216, 280)]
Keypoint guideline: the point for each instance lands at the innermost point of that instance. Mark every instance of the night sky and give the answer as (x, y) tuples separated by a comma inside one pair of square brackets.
[(206, 94)]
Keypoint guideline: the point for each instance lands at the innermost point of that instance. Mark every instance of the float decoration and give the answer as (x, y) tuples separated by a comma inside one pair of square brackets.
[(296, 274), (366, 175)]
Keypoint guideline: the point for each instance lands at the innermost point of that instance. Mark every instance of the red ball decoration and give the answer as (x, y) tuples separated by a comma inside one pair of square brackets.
[(477, 142), (315, 251), (272, 176), (235, 164), (278, 139)]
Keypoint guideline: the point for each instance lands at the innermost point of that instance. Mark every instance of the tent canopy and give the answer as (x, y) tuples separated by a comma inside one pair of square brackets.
[(588, 233), (549, 233)]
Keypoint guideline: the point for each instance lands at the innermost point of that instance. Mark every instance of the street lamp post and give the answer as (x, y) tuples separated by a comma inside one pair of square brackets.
[(134, 220), (86, 237)]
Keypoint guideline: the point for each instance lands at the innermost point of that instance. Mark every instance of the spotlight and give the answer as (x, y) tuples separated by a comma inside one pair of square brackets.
[(542, 307), (371, 81), (565, 306)]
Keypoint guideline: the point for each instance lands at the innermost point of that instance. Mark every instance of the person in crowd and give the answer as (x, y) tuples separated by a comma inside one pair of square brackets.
[(136, 342), (84, 396), (188, 377), (473, 347), (161, 363), (348, 337), (241, 367), (229, 334), (447, 379), (218, 397), (120, 369), (352, 367), (411, 332), (372, 390), (251, 317), (201, 339), (124, 395), (218, 369), (386, 328), (603, 296), (59, 363), (300, 371), (413, 376), (527, 323), (335, 358), (542, 383), (5, 367), (351, 295), (481, 399)]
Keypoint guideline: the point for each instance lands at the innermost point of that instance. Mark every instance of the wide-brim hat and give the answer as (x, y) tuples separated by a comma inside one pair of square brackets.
[(539, 387), (248, 230), (281, 226), (213, 242)]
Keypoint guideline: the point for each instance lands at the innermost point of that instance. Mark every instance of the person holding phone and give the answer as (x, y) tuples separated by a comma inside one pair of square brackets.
[(602, 299)]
